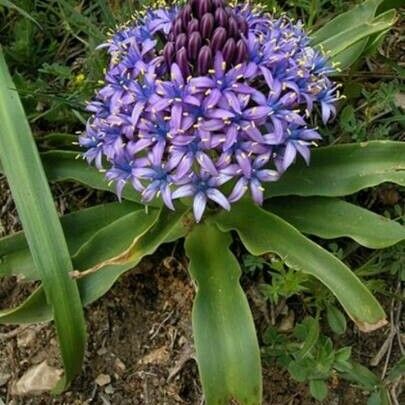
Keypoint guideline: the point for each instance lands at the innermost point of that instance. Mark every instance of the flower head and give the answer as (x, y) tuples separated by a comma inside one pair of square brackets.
[(203, 95)]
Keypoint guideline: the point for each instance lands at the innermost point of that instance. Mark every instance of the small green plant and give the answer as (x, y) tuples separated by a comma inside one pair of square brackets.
[(310, 357)]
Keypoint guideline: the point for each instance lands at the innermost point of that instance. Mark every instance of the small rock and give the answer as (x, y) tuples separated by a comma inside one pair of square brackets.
[(103, 379), (102, 351), (119, 365), (26, 338), (160, 355), (41, 356), (37, 380), (109, 389)]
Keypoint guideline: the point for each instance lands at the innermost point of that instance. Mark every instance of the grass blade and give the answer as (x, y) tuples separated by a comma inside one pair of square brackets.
[(33, 199), (9, 4)]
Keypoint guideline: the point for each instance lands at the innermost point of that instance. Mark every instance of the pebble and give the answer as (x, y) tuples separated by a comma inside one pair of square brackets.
[(103, 379), (119, 365), (37, 380), (26, 338)]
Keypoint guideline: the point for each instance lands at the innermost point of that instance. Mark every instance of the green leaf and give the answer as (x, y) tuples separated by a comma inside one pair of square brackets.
[(262, 232), (67, 166), (228, 354), (336, 320), (146, 236), (331, 218), (360, 375), (78, 227), (340, 170), (345, 37), (312, 335), (36, 209), (58, 140), (11, 5), (397, 370), (318, 389), (342, 47)]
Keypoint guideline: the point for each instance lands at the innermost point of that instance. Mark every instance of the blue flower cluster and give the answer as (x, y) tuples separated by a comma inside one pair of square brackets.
[(195, 98)]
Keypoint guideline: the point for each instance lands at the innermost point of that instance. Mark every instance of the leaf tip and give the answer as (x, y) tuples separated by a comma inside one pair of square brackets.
[(370, 327)]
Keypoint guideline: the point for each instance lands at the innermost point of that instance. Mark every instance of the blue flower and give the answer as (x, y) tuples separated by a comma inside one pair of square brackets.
[(198, 96)]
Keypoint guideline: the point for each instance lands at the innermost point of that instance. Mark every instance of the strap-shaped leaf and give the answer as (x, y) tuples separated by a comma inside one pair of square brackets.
[(340, 170), (333, 218), (224, 334), (78, 227), (362, 12), (346, 36), (33, 199), (263, 232), (342, 47), (65, 165), (148, 234)]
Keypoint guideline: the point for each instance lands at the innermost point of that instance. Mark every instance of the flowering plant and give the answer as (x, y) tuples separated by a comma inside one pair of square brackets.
[(203, 95), (206, 102)]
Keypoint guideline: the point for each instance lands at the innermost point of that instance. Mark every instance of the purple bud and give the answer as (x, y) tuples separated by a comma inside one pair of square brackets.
[(181, 60), (217, 3), (221, 18), (229, 11), (181, 41), (194, 45), (177, 26), (168, 53), (186, 15), (241, 52), (218, 39), (243, 26), (233, 29), (193, 26), (171, 36), (204, 60), (207, 25), (228, 51), (204, 6)]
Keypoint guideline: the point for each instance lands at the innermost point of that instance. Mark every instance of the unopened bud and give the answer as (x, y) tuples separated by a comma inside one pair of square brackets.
[(207, 25), (218, 39), (221, 19), (204, 6), (204, 61), (233, 29), (241, 52), (228, 51), (181, 60), (194, 45), (186, 15), (193, 25), (168, 53), (181, 41)]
